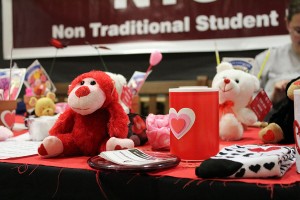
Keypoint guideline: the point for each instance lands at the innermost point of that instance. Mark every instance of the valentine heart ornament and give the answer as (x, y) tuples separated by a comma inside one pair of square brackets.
[(181, 122), (7, 113), (8, 118)]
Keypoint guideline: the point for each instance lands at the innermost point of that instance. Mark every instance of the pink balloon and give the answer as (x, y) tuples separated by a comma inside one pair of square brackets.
[(155, 58)]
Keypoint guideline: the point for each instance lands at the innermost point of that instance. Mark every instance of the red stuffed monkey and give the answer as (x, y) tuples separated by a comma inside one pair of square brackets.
[(94, 121)]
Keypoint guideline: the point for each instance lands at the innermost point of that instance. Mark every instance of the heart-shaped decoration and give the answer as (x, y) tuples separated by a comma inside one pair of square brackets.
[(181, 122), (269, 166), (267, 149), (269, 136), (178, 124), (255, 168), (8, 118)]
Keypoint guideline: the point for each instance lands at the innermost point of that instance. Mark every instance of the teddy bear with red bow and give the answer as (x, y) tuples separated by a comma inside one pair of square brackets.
[(94, 121), (236, 89)]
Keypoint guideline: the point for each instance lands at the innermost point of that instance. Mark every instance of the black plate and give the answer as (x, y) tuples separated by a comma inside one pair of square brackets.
[(99, 163)]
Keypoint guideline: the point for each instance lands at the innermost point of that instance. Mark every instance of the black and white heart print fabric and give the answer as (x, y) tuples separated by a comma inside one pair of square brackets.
[(248, 161)]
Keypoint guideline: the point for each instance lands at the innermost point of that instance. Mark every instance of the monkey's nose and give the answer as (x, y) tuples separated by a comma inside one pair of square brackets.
[(82, 91)]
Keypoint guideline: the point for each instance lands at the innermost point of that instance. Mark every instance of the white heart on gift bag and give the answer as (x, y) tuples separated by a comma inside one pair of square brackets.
[(8, 118), (181, 122)]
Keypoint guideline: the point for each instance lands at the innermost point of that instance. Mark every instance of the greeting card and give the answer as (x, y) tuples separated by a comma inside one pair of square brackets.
[(38, 80)]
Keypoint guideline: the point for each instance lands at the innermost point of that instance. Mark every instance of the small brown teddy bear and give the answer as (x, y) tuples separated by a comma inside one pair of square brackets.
[(280, 128)]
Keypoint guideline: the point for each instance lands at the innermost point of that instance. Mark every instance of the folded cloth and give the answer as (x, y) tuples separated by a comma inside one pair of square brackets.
[(248, 161)]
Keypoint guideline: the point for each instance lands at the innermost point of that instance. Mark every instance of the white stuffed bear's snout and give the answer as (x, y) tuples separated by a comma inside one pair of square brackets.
[(227, 86)]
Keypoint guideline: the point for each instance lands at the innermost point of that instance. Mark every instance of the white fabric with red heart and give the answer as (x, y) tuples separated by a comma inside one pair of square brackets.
[(248, 161)]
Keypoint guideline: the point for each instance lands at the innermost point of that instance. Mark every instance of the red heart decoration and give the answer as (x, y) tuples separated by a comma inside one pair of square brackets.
[(269, 136), (8, 118), (118, 147), (178, 124), (181, 122), (297, 82), (42, 150), (138, 125), (264, 150)]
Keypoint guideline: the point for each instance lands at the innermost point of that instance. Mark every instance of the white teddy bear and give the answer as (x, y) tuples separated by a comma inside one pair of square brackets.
[(120, 81), (236, 89)]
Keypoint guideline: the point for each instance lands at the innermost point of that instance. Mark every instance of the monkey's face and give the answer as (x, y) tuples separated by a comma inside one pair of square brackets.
[(86, 97)]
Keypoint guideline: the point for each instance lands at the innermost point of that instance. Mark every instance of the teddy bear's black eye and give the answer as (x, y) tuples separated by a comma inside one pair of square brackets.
[(237, 80), (82, 83), (93, 82)]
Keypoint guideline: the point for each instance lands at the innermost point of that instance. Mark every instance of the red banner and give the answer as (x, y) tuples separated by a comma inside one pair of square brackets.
[(139, 26)]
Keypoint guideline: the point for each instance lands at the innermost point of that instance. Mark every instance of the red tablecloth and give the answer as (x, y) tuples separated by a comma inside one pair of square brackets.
[(183, 170)]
